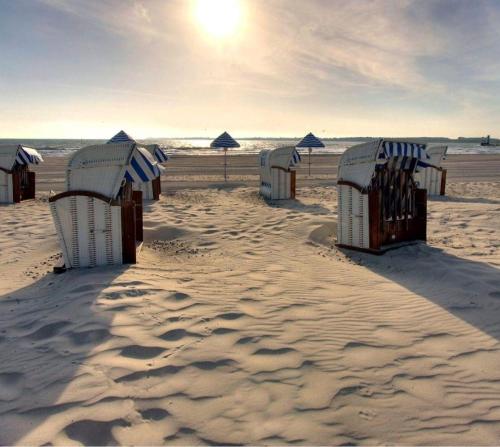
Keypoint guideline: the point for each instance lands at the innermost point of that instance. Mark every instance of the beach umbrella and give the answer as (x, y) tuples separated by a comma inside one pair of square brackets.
[(310, 141), (224, 141), (121, 137)]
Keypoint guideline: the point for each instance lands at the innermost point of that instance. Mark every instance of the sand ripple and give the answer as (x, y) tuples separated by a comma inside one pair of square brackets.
[(243, 324)]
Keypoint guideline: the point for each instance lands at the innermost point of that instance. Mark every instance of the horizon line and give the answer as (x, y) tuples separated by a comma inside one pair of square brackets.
[(258, 138)]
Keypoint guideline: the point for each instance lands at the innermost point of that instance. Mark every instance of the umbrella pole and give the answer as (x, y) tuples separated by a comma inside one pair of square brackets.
[(310, 150), (225, 164)]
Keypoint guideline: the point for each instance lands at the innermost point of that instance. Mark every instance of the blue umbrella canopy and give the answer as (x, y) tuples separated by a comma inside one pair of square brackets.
[(310, 141), (224, 140), (121, 137)]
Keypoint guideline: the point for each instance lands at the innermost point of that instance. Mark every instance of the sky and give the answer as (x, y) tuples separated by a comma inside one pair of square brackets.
[(174, 68)]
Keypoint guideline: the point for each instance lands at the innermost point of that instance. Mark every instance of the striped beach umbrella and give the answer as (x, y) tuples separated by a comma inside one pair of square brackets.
[(121, 137), (224, 141), (310, 141)]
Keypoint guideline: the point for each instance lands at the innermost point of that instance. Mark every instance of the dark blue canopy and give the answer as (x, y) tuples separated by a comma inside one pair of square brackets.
[(224, 140), (310, 141)]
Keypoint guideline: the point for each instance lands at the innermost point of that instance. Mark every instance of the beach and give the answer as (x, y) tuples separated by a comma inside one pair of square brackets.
[(242, 323), (187, 171)]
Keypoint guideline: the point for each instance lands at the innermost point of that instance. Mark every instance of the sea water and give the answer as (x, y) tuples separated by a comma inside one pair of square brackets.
[(200, 146)]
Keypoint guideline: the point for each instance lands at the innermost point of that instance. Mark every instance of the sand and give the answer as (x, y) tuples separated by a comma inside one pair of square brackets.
[(242, 323)]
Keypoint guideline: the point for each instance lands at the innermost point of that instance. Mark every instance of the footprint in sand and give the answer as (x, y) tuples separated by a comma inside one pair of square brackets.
[(231, 316), (130, 293), (90, 432), (178, 334), (141, 352), (48, 331), (11, 385), (179, 296), (223, 331), (92, 336), (246, 340), (154, 414), (279, 351), (210, 365)]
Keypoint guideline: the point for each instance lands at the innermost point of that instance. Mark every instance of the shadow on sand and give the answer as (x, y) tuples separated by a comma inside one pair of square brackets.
[(48, 332), (468, 289), (227, 186), (464, 200), (297, 205)]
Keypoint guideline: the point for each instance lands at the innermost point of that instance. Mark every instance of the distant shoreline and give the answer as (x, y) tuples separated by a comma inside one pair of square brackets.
[(471, 140), (201, 146)]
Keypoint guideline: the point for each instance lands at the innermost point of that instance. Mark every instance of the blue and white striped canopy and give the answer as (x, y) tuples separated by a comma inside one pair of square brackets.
[(160, 155), (310, 141), (402, 149), (296, 159), (27, 156), (121, 137), (142, 168), (224, 140)]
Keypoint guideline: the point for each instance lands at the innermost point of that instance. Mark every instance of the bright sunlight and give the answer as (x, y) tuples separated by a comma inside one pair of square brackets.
[(219, 18)]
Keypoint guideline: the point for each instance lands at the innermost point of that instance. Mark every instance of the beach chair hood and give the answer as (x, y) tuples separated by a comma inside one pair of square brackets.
[(282, 157), (104, 168), (157, 152), (358, 164), (12, 154)]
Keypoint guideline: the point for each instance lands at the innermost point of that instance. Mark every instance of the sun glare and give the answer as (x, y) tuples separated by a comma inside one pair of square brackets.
[(219, 18)]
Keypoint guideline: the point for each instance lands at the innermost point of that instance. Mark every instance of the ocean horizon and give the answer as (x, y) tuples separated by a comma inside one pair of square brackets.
[(57, 147)]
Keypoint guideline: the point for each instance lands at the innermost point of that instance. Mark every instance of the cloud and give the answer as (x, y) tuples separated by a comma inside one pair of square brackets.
[(370, 43), (296, 48), (374, 43), (359, 62), (122, 17), (142, 12), (422, 52), (354, 42)]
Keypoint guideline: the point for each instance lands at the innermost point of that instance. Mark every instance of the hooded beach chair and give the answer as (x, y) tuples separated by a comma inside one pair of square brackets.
[(99, 217), (277, 173), (380, 205), (17, 182)]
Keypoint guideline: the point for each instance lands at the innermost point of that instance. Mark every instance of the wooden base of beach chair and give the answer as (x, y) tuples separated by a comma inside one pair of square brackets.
[(17, 185), (95, 230), (364, 222)]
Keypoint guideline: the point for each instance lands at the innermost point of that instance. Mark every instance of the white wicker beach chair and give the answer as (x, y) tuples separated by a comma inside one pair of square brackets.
[(380, 206), (277, 173), (99, 217), (17, 182)]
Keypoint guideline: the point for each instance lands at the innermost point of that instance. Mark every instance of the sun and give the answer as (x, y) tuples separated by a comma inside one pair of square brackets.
[(219, 18)]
